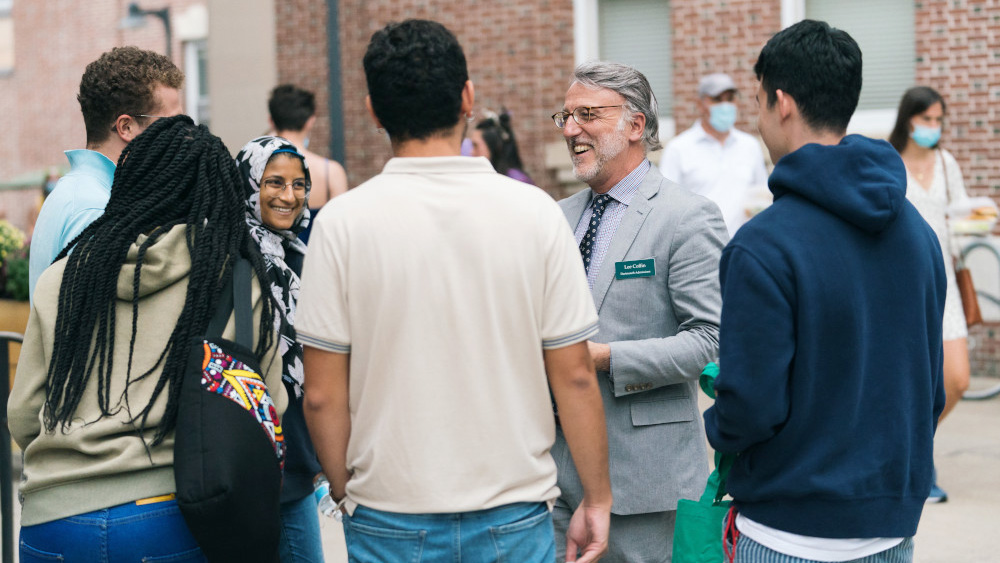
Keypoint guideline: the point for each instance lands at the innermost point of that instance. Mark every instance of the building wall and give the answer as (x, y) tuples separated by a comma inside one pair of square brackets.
[(520, 56), (241, 68), (958, 54), (719, 37), (301, 27), (53, 43)]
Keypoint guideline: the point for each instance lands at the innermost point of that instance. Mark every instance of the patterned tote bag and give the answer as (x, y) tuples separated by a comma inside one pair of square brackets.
[(229, 451)]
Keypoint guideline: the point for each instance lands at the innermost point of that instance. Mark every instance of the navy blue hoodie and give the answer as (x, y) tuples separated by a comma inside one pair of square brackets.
[(830, 348)]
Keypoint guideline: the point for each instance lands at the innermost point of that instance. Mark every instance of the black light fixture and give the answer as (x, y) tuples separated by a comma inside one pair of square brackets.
[(136, 17)]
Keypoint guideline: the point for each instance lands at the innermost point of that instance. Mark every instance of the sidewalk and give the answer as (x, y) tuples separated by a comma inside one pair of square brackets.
[(963, 530), (967, 452)]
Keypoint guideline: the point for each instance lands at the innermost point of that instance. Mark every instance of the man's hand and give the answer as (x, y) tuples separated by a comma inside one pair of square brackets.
[(588, 532), (601, 354)]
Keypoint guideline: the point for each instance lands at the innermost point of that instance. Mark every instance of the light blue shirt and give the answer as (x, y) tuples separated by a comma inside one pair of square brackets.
[(77, 200)]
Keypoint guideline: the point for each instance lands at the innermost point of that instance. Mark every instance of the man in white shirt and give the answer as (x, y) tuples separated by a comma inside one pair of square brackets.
[(714, 159), (440, 301)]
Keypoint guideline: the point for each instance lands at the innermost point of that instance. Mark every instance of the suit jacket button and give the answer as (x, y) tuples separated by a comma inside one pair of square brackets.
[(629, 388)]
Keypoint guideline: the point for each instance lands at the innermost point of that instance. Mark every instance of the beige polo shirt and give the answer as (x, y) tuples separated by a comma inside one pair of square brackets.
[(444, 281)]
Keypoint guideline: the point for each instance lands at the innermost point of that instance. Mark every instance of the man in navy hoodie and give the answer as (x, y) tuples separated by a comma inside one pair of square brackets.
[(830, 346)]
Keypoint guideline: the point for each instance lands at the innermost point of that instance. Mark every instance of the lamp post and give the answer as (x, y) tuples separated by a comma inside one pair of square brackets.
[(136, 17)]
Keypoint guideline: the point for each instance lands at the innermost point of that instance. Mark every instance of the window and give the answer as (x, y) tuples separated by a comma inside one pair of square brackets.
[(635, 32), (638, 33), (196, 81), (885, 32), (6, 37)]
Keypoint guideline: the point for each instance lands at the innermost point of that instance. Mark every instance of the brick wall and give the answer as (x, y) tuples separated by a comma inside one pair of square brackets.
[(719, 37), (984, 349), (301, 56), (53, 43), (958, 54), (520, 55)]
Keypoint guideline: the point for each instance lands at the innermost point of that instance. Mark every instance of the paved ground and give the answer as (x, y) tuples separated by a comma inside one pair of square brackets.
[(966, 529)]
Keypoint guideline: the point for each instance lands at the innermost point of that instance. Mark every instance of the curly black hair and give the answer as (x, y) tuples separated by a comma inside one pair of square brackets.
[(174, 173), (416, 71)]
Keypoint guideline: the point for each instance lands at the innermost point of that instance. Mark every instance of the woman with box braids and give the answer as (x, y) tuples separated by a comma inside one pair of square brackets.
[(175, 174), (111, 329)]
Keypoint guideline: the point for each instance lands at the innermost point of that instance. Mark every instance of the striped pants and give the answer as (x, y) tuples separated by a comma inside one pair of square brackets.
[(749, 551)]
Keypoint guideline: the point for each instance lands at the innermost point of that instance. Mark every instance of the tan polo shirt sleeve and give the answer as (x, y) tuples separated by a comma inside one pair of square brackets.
[(568, 313), (322, 318)]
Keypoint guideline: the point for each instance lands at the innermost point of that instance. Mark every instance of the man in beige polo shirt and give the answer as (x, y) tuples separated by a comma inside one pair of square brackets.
[(440, 301)]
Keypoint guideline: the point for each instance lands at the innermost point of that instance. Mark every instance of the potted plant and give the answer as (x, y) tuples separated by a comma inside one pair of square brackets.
[(13, 278)]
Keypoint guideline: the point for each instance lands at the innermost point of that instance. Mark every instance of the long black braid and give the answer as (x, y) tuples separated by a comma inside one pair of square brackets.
[(174, 173)]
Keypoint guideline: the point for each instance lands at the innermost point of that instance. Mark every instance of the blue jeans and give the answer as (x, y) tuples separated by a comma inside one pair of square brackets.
[(152, 533), (748, 550), (300, 540), (520, 532)]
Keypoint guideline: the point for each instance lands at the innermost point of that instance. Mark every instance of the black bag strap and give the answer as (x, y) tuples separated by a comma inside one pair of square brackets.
[(244, 307), (240, 290)]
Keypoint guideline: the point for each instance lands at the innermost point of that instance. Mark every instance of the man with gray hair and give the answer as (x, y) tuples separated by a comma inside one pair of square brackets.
[(651, 250)]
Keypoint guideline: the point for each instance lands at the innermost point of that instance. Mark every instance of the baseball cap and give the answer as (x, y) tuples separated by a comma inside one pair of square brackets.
[(714, 84)]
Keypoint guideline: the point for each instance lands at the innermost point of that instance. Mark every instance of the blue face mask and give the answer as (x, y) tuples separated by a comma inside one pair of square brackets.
[(722, 116), (926, 137)]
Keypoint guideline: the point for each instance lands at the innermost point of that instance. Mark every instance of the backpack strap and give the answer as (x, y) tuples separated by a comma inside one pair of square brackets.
[(238, 292), (243, 303)]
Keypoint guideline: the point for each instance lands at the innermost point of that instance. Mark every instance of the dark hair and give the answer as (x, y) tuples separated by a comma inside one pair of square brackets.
[(291, 107), (499, 138), (416, 72), (915, 101), (173, 173), (819, 67), (122, 81)]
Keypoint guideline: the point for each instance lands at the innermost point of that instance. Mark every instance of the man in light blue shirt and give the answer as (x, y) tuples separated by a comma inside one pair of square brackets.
[(121, 93)]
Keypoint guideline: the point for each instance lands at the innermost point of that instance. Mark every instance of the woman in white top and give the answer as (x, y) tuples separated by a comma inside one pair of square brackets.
[(934, 182)]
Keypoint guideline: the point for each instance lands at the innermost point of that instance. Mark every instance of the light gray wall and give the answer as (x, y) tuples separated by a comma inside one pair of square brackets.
[(242, 68)]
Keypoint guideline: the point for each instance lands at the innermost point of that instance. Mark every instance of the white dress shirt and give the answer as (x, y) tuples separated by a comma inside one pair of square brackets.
[(726, 173)]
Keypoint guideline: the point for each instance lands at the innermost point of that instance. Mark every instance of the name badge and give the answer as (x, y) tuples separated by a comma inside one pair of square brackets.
[(635, 269)]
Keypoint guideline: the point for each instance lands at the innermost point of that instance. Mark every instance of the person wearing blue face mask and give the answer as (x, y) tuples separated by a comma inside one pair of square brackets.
[(933, 183), (713, 158)]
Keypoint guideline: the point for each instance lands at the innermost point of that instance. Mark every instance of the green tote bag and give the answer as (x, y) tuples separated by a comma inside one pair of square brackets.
[(698, 531)]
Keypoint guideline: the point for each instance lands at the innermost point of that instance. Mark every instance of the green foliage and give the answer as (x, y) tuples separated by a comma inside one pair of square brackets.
[(13, 263), (16, 268)]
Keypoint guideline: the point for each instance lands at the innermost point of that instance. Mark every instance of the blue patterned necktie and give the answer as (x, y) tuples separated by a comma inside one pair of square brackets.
[(599, 203)]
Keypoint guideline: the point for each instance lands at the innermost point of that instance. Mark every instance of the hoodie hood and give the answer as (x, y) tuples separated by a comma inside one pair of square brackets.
[(860, 180), (166, 262)]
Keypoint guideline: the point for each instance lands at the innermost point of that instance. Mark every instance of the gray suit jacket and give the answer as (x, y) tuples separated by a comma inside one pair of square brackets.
[(662, 329)]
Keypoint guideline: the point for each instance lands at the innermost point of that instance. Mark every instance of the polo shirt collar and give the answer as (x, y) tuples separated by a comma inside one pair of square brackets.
[(438, 165), (91, 163)]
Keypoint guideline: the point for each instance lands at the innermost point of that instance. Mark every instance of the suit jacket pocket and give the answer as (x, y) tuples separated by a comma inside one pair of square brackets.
[(646, 413)]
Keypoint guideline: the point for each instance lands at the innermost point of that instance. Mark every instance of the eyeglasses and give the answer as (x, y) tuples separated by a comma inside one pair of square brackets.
[(114, 126), (581, 115), (279, 185)]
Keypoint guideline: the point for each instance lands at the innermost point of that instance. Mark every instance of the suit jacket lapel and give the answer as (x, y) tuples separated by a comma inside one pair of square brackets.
[(574, 205), (632, 221)]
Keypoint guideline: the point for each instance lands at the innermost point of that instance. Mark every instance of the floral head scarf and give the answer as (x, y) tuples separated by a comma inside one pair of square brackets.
[(251, 161)]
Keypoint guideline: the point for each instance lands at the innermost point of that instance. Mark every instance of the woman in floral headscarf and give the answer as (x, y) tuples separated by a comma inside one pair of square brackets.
[(276, 185)]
